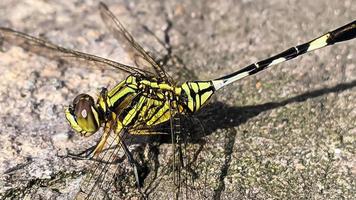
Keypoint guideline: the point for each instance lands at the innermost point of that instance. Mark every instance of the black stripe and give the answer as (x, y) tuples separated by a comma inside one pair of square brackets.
[(343, 33), (147, 113), (288, 54), (119, 101), (143, 105), (245, 69), (211, 88), (122, 87), (130, 86), (122, 115), (193, 96), (137, 113), (158, 108), (160, 116), (303, 48), (198, 93)]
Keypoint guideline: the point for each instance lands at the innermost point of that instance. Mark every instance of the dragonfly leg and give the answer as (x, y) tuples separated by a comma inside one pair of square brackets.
[(132, 162), (99, 147), (93, 151), (83, 155)]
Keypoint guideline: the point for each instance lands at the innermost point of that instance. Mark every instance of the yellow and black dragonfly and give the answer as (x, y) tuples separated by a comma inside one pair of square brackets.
[(146, 100)]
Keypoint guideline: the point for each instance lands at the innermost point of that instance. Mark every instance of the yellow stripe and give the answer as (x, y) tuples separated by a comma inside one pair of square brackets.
[(150, 115), (165, 117), (102, 103), (157, 118), (131, 80), (190, 99), (195, 87), (277, 61), (145, 82), (116, 88), (148, 83), (197, 101), (160, 95), (96, 116), (119, 126), (178, 90), (204, 85), (72, 121), (164, 86), (132, 113), (145, 111), (319, 42), (155, 85), (151, 103), (118, 96), (206, 96)]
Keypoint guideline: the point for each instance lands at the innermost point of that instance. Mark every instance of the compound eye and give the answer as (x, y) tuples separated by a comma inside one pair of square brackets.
[(83, 99), (83, 116), (82, 105)]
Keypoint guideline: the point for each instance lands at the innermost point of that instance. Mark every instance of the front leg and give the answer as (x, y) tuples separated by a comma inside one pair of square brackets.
[(93, 151), (136, 167), (101, 144), (83, 155)]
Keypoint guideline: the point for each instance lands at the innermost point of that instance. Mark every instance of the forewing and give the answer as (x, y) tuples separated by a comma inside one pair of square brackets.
[(52, 51), (106, 172), (136, 52)]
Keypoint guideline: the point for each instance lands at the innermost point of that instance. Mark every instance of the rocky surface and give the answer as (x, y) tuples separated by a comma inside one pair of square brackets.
[(287, 133)]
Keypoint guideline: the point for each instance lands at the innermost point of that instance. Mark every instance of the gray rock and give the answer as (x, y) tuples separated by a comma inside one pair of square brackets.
[(287, 133)]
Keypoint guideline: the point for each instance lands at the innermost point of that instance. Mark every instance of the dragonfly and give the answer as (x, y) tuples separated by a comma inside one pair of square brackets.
[(146, 100)]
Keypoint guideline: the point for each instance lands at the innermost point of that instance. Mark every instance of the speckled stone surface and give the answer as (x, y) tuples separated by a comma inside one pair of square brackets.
[(286, 133)]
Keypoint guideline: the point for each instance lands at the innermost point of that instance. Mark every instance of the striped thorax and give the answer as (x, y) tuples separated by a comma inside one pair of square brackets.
[(137, 103)]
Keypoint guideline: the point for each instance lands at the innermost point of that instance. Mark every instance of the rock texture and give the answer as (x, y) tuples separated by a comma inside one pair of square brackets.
[(287, 133)]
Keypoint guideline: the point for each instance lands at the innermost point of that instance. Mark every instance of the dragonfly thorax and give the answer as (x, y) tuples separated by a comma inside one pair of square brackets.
[(137, 102)]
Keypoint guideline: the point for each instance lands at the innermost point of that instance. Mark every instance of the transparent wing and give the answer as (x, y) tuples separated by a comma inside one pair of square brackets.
[(52, 51), (136, 52), (110, 177), (107, 173)]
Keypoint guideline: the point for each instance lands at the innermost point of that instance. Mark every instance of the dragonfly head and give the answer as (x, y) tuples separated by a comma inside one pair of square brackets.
[(83, 116)]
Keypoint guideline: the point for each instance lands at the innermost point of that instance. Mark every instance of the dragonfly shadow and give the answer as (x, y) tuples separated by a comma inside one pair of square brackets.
[(226, 117), (218, 115)]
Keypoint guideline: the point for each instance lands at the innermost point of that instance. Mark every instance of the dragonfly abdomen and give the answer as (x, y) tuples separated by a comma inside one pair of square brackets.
[(194, 94)]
